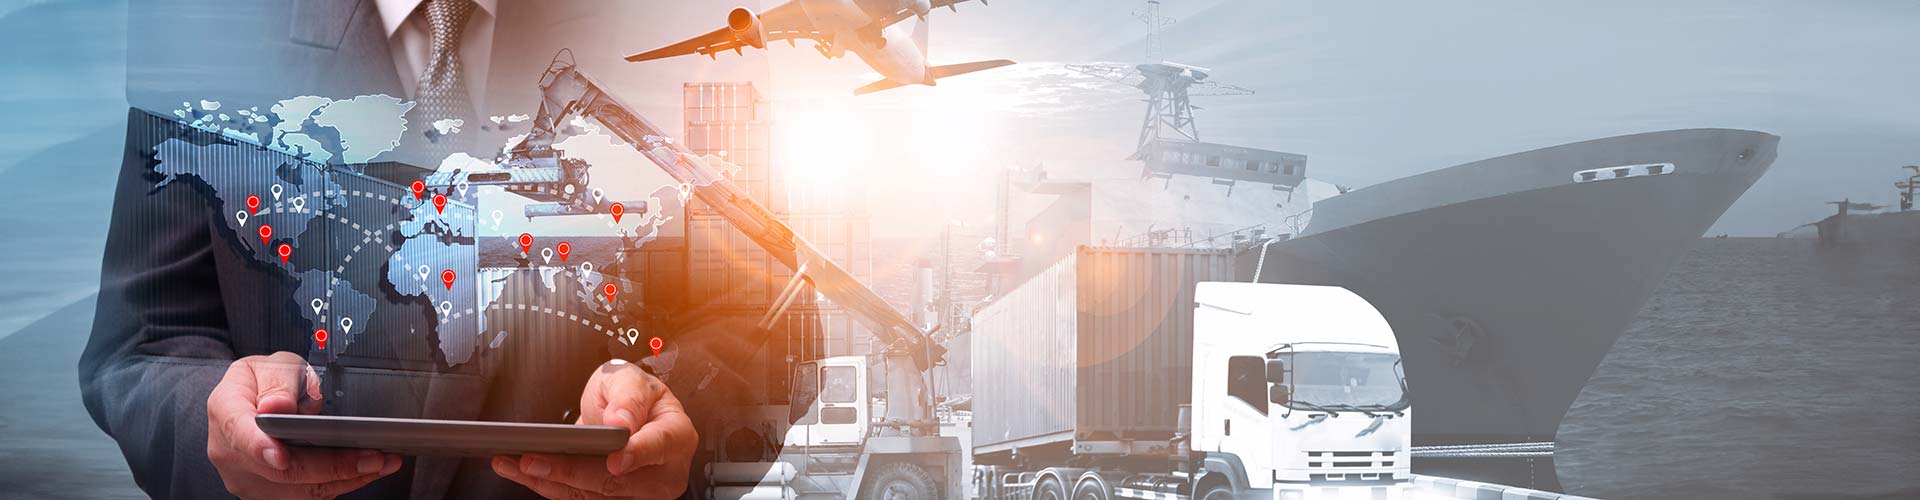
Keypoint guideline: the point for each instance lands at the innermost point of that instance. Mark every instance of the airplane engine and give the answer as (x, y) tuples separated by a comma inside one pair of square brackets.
[(746, 26), (919, 7)]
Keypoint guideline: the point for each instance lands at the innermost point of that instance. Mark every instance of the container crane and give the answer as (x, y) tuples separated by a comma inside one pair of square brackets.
[(897, 451)]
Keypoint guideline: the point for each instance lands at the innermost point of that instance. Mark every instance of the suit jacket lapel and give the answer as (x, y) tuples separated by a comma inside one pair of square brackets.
[(322, 23), (358, 62)]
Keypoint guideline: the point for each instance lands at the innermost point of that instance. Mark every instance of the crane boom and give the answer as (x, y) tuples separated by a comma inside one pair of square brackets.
[(567, 93)]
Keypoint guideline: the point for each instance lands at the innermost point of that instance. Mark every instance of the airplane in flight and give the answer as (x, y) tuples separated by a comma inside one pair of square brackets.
[(868, 28)]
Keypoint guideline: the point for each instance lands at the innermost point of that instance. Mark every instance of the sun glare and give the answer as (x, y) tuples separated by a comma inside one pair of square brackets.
[(819, 144), (950, 135)]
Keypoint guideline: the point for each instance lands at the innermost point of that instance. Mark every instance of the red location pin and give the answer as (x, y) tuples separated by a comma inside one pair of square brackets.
[(440, 203), (656, 344), (564, 248), (526, 242), (285, 251), (419, 189), (618, 210), (447, 277), (610, 290), (320, 337), (266, 231), (253, 203)]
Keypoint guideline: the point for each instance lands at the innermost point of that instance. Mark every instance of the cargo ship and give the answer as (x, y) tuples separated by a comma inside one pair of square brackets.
[(1870, 230), (1506, 280)]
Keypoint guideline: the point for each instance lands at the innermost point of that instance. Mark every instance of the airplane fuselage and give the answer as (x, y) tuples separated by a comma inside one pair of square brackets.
[(893, 52), (900, 60), (869, 28)]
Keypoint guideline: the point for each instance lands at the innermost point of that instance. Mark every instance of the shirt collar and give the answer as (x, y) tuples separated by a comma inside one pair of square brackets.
[(394, 13)]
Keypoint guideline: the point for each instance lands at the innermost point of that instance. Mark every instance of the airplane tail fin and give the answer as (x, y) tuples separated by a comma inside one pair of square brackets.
[(935, 73)]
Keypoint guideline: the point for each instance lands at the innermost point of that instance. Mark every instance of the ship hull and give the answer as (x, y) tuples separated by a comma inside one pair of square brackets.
[(1507, 281)]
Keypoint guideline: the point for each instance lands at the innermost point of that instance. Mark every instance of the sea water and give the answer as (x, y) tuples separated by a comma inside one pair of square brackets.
[(1760, 368)]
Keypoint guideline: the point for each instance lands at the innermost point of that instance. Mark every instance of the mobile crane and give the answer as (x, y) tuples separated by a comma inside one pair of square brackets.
[(839, 448)]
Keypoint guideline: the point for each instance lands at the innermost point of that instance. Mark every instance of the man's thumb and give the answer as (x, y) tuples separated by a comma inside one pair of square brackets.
[(278, 380)]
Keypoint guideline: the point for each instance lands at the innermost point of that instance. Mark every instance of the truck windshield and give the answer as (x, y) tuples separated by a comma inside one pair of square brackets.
[(1364, 381)]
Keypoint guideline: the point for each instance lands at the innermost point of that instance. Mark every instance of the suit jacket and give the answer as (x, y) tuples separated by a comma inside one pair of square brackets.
[(178, 303)]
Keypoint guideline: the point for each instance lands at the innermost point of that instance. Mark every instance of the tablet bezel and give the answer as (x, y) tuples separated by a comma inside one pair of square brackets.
[(424, 437)]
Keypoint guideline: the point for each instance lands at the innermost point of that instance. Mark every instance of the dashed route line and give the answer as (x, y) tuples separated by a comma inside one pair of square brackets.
[(368, 236), (561, 314)]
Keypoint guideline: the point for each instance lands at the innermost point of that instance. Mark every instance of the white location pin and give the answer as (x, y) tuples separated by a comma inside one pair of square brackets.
[(497, 217), (346, 325), (586, 270), (316, 305), (596, 195), (446, 308), (463, 189), (242, 216), (423, 272), (276, 191), (633, 335), (546, 254), (300, 203)]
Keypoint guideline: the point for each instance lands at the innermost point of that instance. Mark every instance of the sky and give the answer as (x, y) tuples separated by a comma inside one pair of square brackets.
[(1376, 91), (1369, 91)]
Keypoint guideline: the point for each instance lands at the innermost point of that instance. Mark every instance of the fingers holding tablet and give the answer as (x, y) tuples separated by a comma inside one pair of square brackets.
[(654, 461), (253, 464)]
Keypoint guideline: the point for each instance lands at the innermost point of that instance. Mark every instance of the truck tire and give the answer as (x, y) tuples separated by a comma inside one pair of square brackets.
[(901, 481), (1090, 489), (1218, 490), (1049, 488)]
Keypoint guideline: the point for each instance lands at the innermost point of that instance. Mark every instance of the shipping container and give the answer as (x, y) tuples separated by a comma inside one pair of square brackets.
[(1097, 347), (726, 275), (725, 119)]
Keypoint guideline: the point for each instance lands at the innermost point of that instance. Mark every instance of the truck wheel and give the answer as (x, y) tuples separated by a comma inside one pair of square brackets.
[(901, 482), (1215, 491), (1090, 489), (1049, 488)]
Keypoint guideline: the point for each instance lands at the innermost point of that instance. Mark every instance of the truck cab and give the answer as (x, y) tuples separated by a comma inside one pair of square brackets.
[(1297, 391)]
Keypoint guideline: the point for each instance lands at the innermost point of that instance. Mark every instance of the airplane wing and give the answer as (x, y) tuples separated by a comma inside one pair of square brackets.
[(783, 22), (901, 14)]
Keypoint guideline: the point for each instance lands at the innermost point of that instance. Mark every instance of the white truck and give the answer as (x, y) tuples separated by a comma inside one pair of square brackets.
[(1311, 376), (1137, 373)]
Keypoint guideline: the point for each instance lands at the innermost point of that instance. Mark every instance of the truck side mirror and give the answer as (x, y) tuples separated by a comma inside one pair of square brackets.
[(1276, 371), (1277, 394)]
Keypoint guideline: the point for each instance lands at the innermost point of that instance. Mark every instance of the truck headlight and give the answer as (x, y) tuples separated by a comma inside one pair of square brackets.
[(1293, 495)]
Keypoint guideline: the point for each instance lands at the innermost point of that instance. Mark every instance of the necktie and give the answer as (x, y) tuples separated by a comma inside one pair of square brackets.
[(442, 88)]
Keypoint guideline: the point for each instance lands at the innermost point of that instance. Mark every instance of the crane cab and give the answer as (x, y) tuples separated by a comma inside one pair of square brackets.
[(831, 398)]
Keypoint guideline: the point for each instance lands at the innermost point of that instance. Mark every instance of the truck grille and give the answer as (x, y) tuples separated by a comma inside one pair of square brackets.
[(1351, 465)]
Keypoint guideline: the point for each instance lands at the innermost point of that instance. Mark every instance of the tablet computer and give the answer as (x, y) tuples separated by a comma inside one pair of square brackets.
[(461, 438)]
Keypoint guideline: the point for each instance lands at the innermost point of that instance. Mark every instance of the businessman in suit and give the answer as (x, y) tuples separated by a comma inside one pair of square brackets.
[(177, 367)]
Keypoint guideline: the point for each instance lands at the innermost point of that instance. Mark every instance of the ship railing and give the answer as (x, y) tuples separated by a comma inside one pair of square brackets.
[(1184, 237)]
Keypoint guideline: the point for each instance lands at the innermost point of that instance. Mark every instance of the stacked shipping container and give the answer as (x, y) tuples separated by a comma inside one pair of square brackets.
[(729, 277)]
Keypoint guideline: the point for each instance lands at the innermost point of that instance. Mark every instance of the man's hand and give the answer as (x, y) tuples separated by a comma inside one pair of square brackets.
[(654, 463), (252, 464)]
